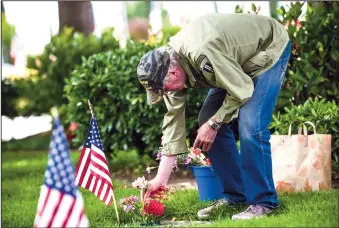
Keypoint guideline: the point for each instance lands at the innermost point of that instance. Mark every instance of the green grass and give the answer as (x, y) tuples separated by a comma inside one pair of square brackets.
[(22, 176)]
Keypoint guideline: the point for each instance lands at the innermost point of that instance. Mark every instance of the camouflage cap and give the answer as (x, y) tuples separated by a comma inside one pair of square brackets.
[(151, 71)]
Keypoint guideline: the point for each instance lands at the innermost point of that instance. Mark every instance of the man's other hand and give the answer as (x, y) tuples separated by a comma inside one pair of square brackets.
[(205, 137)]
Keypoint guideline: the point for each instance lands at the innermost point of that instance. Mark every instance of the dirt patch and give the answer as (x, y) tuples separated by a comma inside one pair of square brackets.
[(180, 179), (185, 179)]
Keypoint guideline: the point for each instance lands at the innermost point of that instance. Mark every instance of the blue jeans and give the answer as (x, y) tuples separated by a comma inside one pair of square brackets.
[(247, 176)]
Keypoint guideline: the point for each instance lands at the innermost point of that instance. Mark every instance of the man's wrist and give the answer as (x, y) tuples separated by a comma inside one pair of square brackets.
[(214, 124), (214, 119)]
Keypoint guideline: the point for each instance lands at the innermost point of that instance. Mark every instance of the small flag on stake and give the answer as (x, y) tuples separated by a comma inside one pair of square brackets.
[(92, 171), (60, 202)]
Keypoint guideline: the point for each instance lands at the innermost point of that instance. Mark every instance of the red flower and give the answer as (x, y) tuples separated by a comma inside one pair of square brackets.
[(196, 151), (160, 193), (298, 24), (73, 126), (208, 162), (154, 207)]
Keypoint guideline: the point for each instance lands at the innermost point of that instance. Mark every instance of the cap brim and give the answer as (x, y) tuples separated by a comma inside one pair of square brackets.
[(152, 97)]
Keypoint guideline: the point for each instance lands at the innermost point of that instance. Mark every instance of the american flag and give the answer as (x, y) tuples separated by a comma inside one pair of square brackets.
[(92, 170), (60, 203)]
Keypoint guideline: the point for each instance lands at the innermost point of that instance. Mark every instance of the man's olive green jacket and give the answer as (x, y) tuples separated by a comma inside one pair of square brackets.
[(221, 51)]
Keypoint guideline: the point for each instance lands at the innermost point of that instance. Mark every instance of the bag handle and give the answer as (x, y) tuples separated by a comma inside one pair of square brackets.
[(299, 130), (312, 124)]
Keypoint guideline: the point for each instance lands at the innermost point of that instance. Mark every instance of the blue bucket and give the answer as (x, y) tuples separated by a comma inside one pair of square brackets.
[(209, 184)]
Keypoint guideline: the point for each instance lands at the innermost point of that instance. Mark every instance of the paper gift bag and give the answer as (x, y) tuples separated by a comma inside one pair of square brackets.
[(301, 162)]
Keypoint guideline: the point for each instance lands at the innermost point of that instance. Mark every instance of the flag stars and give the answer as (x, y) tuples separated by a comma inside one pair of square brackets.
[(58, 184), (50, 162), (61, 147), (56, 177), (47, 174), (60, 166), (58, 140), (67, 188), (65, 181), (69, 169), (49, 181), (53, 170)]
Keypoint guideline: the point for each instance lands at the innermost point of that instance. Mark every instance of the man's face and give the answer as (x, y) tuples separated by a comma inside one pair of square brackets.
[(175, 79)]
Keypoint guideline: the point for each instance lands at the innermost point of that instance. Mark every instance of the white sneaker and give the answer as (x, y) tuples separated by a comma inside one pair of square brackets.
[(205, 213), (253, 211)]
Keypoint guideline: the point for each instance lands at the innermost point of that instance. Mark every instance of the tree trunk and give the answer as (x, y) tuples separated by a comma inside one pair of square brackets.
[(77, 14), (2, 7)]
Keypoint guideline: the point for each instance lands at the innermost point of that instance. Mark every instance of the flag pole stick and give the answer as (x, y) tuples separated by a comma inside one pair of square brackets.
[(90, 107), (114, 201), (115, 207), (54, 112)]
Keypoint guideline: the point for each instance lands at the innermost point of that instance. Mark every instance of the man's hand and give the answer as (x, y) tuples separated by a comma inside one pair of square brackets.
[(205, 137), (152, 186)]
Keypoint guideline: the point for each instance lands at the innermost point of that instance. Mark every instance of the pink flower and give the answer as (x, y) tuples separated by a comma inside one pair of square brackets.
[(187, 160), (140, 183), (159, 155)]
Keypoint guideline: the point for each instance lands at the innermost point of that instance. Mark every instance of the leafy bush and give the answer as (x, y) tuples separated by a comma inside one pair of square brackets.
[(11, 93), (60, 56), (126, 122), (314, 64), (324, 114)]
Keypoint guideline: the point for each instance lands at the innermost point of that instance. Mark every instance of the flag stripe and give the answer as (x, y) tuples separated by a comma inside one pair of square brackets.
[(55, 214), (103, 192), (97, 150), (99, 155), (99, 159), (44, 194), (98, 187), (78, 207), (89, 182), (80, 160), (99, 167), (109, 198), (83, 167), (64, 224), (106, 193), (87, 175), (93, 183), (48, 210), (80, 217), (98, 172)]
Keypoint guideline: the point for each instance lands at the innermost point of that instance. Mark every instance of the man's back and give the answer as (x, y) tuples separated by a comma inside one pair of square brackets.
[(240, 36)]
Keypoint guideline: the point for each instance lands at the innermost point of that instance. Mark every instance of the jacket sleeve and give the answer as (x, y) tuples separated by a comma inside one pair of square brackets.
[(230, 76), (174, 128)]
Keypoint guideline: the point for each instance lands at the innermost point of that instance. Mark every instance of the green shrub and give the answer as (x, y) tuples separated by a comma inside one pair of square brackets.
[(314, 63), (324, 114), (58, 60), (119, 101), (11, 93)]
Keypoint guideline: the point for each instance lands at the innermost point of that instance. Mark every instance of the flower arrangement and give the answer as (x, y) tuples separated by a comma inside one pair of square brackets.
[(150, 209), (195, 157)]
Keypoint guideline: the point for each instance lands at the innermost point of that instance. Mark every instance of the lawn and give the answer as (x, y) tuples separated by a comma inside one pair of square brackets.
[(22, 175)]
